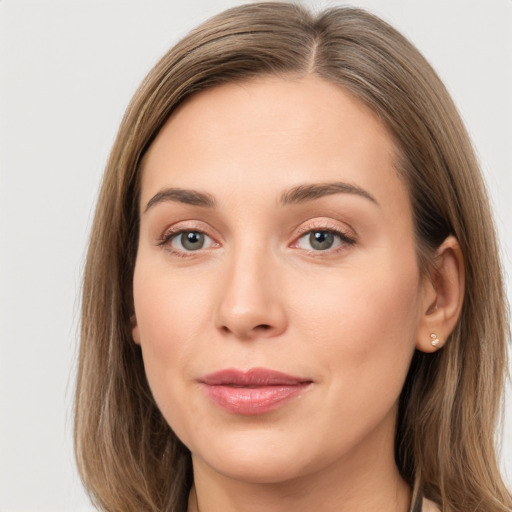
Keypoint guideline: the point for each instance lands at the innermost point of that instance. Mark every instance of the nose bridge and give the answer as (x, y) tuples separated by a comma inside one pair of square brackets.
[(250, 303)]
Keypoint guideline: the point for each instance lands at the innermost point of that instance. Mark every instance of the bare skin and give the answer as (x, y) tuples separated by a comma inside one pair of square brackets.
[(276, 233)]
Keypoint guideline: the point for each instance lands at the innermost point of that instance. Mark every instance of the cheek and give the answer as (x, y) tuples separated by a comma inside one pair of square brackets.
[(170, 316), (169, 306), (363, 325)]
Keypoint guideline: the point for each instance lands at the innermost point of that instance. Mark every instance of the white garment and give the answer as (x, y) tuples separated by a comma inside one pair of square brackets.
[(429, 506)]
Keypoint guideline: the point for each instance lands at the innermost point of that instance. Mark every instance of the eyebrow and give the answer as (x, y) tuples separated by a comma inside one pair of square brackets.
[(298, 194), (180, 195), (313, 191)]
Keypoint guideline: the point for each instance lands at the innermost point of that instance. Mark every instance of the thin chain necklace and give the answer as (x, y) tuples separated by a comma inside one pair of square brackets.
[(197, 500)]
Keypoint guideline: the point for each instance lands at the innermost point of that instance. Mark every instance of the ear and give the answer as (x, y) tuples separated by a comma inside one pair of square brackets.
[(135, 329), (443, 295)]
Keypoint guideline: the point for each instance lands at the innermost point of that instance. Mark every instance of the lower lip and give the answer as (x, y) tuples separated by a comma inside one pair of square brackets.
[(253, 400)]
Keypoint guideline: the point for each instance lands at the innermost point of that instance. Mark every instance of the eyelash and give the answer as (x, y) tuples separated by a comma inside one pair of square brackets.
[(171, 234), (344, 239)]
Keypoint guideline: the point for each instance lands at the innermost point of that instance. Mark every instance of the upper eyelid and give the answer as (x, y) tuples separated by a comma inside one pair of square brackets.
[(190, 225), (306, 229), (322, 224)]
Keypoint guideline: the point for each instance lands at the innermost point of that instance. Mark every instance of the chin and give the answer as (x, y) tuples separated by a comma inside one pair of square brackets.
[(259, 457), (266, 467)]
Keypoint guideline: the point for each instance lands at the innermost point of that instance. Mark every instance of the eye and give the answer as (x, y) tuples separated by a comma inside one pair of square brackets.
[(323, 240), (190, 241)]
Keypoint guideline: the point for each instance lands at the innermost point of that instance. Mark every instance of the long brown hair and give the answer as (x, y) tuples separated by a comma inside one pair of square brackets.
[(128, 457)]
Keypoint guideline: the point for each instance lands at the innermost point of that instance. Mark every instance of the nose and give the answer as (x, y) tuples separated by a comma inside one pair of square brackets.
[(252, 302)]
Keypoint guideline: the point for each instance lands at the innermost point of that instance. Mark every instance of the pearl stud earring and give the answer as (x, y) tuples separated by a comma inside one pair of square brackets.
[(434, 340)]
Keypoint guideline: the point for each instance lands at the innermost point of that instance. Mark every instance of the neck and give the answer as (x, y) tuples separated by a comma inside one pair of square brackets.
[(301, 496), (366, 479)]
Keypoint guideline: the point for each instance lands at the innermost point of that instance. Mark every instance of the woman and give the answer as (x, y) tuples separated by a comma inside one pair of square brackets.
[(292, 298)]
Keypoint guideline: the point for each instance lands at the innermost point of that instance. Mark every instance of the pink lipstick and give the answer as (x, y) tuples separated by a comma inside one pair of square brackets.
[(251, 392)]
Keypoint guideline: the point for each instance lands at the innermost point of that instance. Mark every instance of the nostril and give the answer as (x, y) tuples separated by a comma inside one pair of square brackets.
[(257, 328), (246, 331)]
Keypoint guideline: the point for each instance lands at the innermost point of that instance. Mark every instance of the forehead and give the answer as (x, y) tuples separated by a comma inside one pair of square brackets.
[(270, 132)]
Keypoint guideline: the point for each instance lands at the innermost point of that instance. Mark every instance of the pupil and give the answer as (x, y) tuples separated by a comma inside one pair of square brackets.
[(192, 240), (321, 240)]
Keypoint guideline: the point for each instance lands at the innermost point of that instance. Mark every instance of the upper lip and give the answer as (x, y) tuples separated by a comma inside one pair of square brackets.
[(255, 377)]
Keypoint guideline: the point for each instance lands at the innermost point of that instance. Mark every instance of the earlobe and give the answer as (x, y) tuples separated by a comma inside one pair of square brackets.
[(442, 297), (135, 329)]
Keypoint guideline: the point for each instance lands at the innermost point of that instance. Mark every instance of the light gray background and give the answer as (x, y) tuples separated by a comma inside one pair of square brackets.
[(67, 71)]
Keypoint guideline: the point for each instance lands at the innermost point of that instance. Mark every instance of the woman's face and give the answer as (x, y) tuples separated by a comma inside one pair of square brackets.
[(277, 292)]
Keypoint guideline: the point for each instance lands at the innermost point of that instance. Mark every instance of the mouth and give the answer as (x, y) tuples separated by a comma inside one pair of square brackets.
[(256, 391)]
